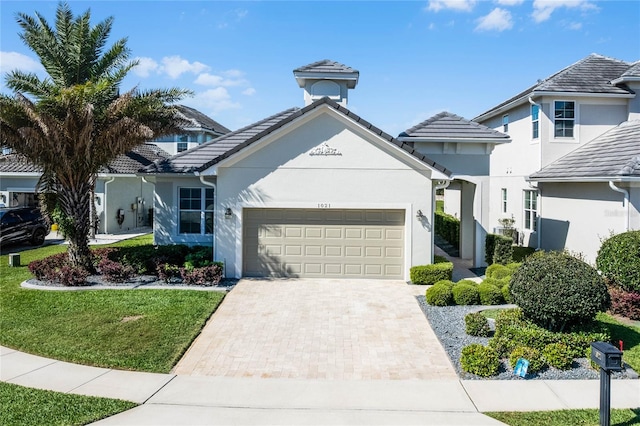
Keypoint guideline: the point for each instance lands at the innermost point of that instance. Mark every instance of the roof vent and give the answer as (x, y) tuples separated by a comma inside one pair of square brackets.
[(326, 79)]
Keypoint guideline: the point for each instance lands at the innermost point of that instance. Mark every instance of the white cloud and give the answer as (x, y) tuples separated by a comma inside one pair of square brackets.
[(175, 66), (457, 5), (497, 20), (249, 91), (542, 9), (214, 100), (10, 61), (574, 25), (145, 67), (227, 78), (509, 2)]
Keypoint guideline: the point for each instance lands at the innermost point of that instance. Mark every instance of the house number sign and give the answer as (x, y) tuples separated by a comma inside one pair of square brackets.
[(325, 150), (324, 205)]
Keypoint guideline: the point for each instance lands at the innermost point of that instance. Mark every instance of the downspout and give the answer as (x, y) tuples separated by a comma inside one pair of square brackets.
[(539, 209), (624, 202), (106, 220), (440, 185), (213, 238)]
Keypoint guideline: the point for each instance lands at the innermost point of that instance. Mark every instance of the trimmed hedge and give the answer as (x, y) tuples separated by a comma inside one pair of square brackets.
[(625, 303), (465, 294), (439, 295), (489, 247), (476, 324), (480, 360), (490, 294), (536, 362), (448, 227), (619, 260), (503, 252), (430, 274)]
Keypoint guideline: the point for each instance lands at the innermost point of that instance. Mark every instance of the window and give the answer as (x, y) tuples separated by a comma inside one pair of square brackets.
[(530, 210), (182, 146), (535, 121), (505, 123), (196, 211), (564, 119), (504, 200)]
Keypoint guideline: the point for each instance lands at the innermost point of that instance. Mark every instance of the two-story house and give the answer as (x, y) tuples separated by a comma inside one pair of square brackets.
[(571, 174)]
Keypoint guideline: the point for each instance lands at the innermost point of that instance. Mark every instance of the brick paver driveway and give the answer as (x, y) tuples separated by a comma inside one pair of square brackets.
[(319, 329)]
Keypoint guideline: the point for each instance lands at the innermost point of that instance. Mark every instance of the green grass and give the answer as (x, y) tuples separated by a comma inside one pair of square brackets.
[(143, 330), (490, 313), (32, 407), (619, 417)]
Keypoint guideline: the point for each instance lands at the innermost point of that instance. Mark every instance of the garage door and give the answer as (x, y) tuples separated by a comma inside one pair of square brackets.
[(327, 243)]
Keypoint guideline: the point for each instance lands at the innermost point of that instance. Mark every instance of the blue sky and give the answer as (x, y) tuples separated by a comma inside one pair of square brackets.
[(416, 58)]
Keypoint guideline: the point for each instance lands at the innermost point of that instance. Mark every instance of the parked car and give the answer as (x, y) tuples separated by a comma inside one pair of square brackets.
[(23, 224)]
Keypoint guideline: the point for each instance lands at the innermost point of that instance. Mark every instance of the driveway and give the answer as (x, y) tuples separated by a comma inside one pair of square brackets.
[(319, 329)]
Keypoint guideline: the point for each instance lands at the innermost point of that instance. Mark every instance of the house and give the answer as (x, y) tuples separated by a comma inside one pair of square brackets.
[(123, 200), (571, 174), (315, 191)]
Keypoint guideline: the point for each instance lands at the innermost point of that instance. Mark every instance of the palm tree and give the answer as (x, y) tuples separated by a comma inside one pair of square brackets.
[(75, 121)]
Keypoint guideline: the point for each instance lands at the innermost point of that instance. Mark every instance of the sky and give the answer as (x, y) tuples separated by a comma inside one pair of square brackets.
[(415, 58)]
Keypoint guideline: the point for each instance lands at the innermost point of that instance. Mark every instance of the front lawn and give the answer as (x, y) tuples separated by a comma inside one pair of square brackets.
[(144, 330), (32, 407), (619, 417)]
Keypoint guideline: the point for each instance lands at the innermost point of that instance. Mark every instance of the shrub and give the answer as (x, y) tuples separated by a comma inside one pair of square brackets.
[(206, 275), (430, 274), (502, 346), (448, 227), (507, 318), (476, 324), (513, 266), (489, 294), (489, 247), (46, 269), (72, 276), (498, 271), (506, 293), (503, 252), (558, 355), (448, 283), (465, 294), (556, 290), (625, 303), (166, 272), (493, 282), (115, 271), (439, 295), (536, 363), (439, 259), (480, 360), (468, 282), (104, 253), (619, 260), (198, 257)]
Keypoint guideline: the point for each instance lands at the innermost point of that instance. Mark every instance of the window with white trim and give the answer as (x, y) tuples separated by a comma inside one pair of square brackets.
[(504, 200), (535, 121), (531, 210), (195, 214), (505, 123), (564, 119)]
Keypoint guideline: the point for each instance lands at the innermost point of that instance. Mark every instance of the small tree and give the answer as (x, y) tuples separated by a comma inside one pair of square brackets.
[(619, 260)]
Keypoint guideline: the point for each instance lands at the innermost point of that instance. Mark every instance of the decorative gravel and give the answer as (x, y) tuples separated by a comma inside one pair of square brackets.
[(139, 281), (448, 324)]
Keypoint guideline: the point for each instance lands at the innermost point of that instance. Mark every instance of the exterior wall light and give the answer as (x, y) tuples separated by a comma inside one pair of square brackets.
[(228, 213)]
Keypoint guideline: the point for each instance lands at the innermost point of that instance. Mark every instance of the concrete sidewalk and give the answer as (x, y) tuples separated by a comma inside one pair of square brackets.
[(169, 399)]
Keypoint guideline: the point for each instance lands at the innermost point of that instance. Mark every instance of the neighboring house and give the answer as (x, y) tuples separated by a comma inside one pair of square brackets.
[(571, 175), (308, 192), (199, 130), (122, 199)]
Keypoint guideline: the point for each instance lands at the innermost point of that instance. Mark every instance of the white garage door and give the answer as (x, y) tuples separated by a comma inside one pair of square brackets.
[(327, 243)]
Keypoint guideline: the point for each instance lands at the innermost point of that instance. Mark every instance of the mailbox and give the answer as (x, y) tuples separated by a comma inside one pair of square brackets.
[(608, 357)]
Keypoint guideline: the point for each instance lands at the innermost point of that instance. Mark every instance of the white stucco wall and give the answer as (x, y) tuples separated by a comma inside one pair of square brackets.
[(123, 192), (367, 174)]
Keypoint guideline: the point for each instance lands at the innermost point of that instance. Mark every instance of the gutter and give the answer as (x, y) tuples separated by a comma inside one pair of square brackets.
[(625, 201)]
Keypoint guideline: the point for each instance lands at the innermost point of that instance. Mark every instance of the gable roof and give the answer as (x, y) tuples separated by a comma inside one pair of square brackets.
[(613, 155), (447, 126), (210, 153), (594, 74), (198, 120), (325, 66), (129, 163)]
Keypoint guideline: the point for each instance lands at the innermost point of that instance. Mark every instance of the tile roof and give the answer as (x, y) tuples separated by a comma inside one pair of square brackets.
[(446, 125), (198, 120), (325, 66), (210, 153), (592, 74), (614, 154), (129, 163)]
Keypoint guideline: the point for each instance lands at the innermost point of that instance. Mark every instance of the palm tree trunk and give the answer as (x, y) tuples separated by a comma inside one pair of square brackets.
[(75, 202)]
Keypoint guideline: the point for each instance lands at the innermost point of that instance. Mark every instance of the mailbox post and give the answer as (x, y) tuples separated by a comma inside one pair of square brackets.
[(608, 358)]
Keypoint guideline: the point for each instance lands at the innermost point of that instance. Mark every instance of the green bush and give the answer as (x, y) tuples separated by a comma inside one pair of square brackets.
[(506, 293), (439, 295), (465, 294), (430, 274), (439, 259), (556, 290), (476, 324), (536, 363), (448, 227), (508, 317), (468, 282), (558, 355), (489, 247), (513, 266), (502, 346), (480, 360), (498, 271), (503, 252), (619, 260), (448, 283), (490, 294)]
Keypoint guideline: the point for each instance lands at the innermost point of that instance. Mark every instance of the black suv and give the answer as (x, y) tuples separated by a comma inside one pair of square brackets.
[(23, 224)]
